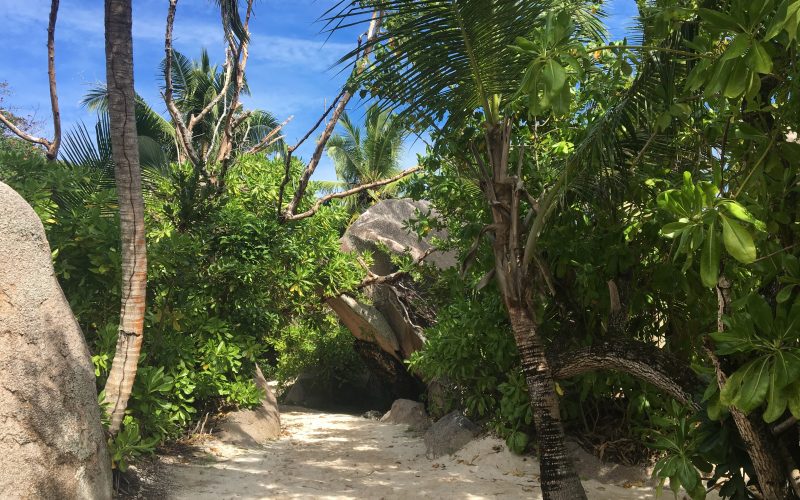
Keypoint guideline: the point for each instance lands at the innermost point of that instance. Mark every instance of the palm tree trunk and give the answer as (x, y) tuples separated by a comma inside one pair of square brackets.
[(502, 189), (558, 477), (125, 151)]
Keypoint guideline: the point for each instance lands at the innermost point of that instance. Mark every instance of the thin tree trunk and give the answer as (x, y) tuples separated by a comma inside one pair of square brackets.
[(558, 477), (125, 151), (760, 445), (503, 190)]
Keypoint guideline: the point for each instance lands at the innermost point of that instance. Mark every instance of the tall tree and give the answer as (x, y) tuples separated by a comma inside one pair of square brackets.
[(128, 175), (449, 65)]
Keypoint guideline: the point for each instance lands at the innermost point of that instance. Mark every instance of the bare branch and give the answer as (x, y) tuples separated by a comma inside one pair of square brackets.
[(181, 130), (52, 150), (51, 147), (195, 119), (319, 122), (343, 99), (240, 63), (344, 194), (22, 134), (244, 116), (270, 138)]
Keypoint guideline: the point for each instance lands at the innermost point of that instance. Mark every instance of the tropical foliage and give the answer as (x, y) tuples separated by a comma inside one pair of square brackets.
[(367, 155), (625, 214)]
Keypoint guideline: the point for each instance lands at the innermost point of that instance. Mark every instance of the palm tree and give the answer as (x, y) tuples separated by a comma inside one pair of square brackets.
[(125, 151), (449, 65), (196, 84), (366, 155)]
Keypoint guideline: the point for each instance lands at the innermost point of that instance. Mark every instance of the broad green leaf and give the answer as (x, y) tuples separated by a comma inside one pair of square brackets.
[(749, 389), (731, 341), (525, 44), (554, 76), (741, 213), (787, 368), (737, 80), (737, 47), (738, 241), (715, 409), (785, 294), (719, 77), (759, 60), (674, 229), (688, 475), (709, 259), (719, 20), (793, 399), (776, 400), (787, 11), (760, 311)]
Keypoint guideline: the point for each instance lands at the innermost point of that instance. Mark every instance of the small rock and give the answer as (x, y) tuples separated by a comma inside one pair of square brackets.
[(251, 428), (372, 415), (449, 435), (411, 413)]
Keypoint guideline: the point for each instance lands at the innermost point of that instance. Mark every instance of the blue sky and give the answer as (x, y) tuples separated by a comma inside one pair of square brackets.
[(289, 70)]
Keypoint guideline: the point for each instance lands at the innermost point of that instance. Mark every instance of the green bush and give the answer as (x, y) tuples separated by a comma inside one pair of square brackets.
[(233, 289)]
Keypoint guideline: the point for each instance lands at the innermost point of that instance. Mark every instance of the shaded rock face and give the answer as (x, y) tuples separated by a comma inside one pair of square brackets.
[(449, 434), (250, 428), (407, 412), (362, 392), (394, 319), (52, 444)]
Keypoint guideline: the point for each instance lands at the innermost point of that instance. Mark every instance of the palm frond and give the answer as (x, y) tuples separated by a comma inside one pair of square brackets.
[(182, 75), (231, 19), (442, 60)]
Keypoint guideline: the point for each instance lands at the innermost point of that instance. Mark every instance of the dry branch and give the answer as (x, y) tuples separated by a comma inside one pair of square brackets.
[(338, 108), (344, 194), (51, 147)]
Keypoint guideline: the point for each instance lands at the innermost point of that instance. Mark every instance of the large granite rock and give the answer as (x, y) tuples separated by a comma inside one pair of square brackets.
[(407, 412), (392, 318), (449, 434), (250, 428), (52, 441), (362, 391), (386, 223)]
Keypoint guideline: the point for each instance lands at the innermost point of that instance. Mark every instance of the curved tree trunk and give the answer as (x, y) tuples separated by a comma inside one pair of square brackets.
[(125, 151), (643, 361)]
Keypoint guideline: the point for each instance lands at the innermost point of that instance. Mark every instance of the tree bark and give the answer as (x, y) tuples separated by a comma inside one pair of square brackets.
[(503, 191), (558, 477), (643, 361), (760, 445), (125, 152)]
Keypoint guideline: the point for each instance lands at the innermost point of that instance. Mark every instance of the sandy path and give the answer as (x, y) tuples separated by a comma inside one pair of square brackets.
[(332, 456)]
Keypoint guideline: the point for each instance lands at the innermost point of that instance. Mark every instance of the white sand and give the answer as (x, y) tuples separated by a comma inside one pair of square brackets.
[(332, 456)]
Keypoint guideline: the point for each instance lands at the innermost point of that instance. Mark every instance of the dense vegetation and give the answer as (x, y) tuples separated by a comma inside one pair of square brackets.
[(625, 217)]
